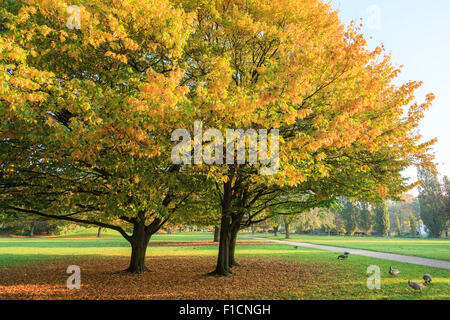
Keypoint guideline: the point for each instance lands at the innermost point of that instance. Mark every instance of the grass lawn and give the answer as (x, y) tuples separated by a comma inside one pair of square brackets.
[(347, 279), (427, 248), (111, 234), (269, 271)]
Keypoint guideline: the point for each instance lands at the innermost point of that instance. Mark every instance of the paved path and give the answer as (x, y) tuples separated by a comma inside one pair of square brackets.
[(373, 254)]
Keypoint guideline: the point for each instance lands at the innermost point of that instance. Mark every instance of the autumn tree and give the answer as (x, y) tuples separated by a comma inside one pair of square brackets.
[(406, 204), (293, 66), (276, 223), (87, 109), (315, 219), (288, 221)]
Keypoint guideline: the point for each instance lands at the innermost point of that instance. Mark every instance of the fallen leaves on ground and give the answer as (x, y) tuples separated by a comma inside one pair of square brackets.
[(170, 278)]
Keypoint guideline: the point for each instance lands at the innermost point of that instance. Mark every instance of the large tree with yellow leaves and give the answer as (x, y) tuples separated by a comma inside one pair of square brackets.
[(345, 128), (87, 108)]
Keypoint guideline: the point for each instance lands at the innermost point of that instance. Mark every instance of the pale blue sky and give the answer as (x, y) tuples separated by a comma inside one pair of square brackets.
[(417, 32)]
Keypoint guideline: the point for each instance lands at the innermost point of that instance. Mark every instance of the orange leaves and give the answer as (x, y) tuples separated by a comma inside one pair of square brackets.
[(303, 113), (365, 168), (382, 191), (119, 57), (430, 97), (219, 76), (179, 277), (139, 69), (160, 95)]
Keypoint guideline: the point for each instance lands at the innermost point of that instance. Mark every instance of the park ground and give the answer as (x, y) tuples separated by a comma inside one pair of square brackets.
[(36, 268)]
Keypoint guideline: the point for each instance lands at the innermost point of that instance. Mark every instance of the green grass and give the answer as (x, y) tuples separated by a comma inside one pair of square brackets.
[(427, 248), (343, 279), (16, 251), (347, 279), (111, 234)]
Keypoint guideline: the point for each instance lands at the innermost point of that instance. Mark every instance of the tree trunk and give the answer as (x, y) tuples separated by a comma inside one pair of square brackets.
[(99, 232), (232, 261), (33, 224), (236, 226), (288, 232), (216, 234), (275, 231), (139, 242), (223, 263), (253, 230)]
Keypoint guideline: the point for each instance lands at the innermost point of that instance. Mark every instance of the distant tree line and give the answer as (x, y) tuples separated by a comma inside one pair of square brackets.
[(386, 218), (434, 200)]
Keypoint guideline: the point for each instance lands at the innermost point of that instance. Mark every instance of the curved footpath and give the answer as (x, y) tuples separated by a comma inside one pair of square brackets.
[(373, 254)]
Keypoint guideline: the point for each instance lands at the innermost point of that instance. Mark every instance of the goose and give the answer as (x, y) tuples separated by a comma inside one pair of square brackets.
[(343, 256), (393, 272), (416, 285), (427, 278)]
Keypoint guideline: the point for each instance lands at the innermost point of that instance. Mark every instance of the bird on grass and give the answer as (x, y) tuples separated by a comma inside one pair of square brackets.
[(427, 278), (343, 256), (393, 272), (416, 285), (295, 247)]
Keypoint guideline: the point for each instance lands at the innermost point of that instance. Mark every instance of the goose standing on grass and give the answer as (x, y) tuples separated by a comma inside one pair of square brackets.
[(393, 272), (427, 278), (343, 256), (416, 285)]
